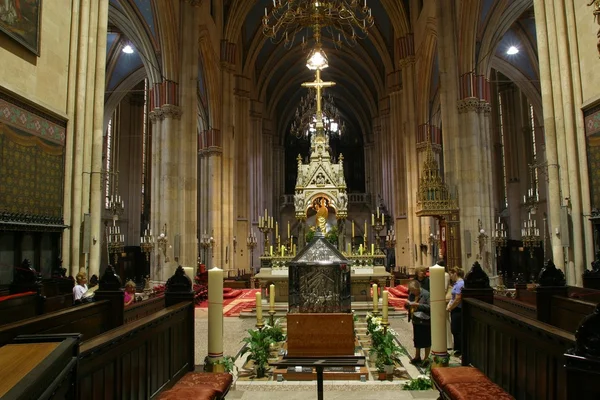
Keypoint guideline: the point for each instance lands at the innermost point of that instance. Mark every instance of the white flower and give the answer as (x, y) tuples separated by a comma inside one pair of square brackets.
[(423, 377)]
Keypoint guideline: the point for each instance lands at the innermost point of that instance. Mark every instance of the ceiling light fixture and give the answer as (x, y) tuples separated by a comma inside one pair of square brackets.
[(128, 49), (512, 50), (317, 59), (347, 19)]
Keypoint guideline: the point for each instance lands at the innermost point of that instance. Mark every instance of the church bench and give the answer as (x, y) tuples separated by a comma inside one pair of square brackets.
[(15, 307), (466, 383), (521, 354), (90, 320), (200, 385), (141, 309)]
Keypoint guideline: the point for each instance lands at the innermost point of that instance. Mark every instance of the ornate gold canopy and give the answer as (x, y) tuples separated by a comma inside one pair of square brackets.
[(321, 178), (433, 197)]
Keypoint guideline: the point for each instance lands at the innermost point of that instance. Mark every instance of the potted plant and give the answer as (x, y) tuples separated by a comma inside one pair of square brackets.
[(258, 349), (387, 351), (381, 370)]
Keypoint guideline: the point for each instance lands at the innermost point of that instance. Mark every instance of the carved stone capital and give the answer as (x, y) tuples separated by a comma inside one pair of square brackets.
[(156, 115), (485, 107), (171, 111), (406, 62), (468, 105)]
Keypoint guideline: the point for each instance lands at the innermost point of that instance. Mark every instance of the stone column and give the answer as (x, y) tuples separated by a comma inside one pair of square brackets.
[(554, 185), (243, 170), (256, 174)]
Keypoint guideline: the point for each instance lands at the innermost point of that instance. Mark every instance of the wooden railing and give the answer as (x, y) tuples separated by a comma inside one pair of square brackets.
[(90, 320), (139, 359), (523, 356), (142, 309)]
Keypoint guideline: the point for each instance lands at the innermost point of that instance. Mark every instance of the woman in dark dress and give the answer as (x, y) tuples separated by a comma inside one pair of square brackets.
[(419, 312)]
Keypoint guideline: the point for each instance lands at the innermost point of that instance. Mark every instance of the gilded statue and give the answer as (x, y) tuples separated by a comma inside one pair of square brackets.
[(320, 206)]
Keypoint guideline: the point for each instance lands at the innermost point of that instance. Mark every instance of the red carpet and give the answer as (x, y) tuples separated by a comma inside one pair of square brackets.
[(232, 307)]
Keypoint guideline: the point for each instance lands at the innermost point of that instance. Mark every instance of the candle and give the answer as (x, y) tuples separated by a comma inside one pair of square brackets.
[(376, 298), (384, 307), (372, 249), (272, 297), (266, 213), (348, 248), (271, 251), (282, 250), (289, 235), (365, 228), (352, 230), (294, 250), (141, 239), (215, 312), (382, 219), (360, 250), (437, 279), (258, 308), (276, 229), (372, 219), (377, 212)]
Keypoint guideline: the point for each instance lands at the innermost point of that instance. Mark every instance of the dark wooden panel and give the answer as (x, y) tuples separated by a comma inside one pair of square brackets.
[(143, 309), (320, 335), (18, 308), (518, 307), (530, 363), (90, 320), (137, 360), (567, 313)]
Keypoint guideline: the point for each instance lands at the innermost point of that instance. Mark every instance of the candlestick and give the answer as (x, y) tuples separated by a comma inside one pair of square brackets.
[(289, 235), (271, 251), (360, 250), (376, 299), (215, 314), (372, 249), (372, 219), (352, 230), (276, 229), (384, 307), (272, 297)]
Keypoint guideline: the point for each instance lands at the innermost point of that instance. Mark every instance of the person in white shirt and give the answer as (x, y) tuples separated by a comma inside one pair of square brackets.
[(80, 288)]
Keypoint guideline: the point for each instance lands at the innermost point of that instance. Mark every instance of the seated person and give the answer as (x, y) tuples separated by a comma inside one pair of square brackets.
[(80, 288), (129, 292)]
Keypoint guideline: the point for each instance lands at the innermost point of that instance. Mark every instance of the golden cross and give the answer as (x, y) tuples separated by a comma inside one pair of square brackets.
[(319, 85)]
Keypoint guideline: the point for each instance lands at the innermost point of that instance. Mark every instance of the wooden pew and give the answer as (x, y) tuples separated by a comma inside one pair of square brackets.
[(90, 320), (39, 367), (15, 307), (523, 356), (142, 309), (144, 357)]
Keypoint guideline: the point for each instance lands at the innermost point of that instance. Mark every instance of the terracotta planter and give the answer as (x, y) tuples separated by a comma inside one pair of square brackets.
[(382, 376)]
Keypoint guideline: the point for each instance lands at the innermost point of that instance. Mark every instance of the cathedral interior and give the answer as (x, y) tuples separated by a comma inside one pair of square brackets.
[(140, 136)]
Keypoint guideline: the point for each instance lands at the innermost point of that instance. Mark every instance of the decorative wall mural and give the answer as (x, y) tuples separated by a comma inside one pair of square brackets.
[(31, 163), (20, 19)]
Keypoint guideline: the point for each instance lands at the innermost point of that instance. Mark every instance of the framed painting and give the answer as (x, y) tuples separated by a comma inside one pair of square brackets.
[(20, 19)]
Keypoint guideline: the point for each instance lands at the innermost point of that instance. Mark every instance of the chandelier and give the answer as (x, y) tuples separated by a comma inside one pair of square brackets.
[(306, 117), (346, 20)]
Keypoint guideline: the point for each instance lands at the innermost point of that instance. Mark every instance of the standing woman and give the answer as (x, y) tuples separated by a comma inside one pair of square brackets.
[(455, 308), (420, 314)]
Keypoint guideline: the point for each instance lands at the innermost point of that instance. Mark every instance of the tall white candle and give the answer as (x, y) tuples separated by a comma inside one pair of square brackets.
[(384, 307), (375, 298), (258, 307), (272, 297), (438, 309), (215, 314)]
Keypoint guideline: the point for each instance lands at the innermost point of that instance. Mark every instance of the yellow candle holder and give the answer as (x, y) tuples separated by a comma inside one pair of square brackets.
[(260, 324), (272, 317), (385, 325)]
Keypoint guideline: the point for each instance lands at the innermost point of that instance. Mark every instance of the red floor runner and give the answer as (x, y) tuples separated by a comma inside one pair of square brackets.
[(234, 306)]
